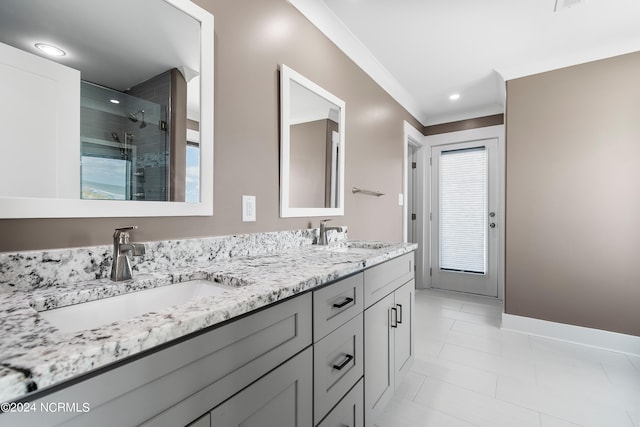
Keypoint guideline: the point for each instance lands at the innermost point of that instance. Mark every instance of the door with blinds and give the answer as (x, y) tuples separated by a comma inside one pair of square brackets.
[(464, 198)]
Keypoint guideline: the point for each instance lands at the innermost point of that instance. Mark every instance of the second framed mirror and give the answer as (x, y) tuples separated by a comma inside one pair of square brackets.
[(312, 147)]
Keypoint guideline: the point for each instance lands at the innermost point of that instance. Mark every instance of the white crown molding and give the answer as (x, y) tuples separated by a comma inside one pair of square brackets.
[(613, 341), (334, 29), (469, 114)]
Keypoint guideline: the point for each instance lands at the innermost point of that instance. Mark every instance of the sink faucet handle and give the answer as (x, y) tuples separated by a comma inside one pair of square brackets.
[(324, 221), (124, 233), (130, 227)]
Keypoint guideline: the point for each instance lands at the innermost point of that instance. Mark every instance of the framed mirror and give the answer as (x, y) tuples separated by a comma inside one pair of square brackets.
[(108, 108), (312, 147)]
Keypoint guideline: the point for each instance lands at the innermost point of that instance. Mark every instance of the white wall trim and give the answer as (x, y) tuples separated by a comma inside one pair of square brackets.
[(613, 341), (412, 136), (334, 29), (489, 110)]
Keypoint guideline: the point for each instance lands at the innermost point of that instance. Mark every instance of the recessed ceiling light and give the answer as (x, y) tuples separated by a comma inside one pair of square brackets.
[(454, 96), (50, 49), (114, 101)]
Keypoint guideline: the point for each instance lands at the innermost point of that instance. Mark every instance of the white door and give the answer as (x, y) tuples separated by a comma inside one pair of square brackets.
[(464, 223)]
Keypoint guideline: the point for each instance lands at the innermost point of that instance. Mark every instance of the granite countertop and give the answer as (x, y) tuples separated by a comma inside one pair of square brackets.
[(34, 354)]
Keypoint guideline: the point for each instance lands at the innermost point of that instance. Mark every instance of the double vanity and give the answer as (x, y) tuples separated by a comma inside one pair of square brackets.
[(265, 330)]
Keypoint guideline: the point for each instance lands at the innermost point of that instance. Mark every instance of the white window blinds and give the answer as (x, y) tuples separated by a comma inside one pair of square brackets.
[(463, 210)]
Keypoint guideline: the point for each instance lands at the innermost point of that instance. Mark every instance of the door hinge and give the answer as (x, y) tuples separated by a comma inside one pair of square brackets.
[(430, 216), (413, 165), (430, 271), (413, 216), (430, 163)]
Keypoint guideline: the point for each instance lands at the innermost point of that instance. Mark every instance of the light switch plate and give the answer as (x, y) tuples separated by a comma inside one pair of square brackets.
[(400, 199), (248, 208)]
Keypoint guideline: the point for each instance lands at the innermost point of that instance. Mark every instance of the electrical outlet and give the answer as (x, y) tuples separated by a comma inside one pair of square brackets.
[(248, 208)]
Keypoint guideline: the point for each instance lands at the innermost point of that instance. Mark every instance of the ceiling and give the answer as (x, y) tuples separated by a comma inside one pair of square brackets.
[(422, 51)]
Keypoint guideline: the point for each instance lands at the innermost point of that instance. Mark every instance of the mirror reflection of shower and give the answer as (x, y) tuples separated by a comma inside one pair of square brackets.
[(123, 156), (134, 118)]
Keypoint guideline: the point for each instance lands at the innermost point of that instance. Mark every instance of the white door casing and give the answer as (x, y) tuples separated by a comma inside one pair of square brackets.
[(417, 199), (495, 259)]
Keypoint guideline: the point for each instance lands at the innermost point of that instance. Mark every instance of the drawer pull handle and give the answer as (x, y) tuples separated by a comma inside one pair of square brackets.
[(348, 358), (394, 317), (343, 303), (400, 311)]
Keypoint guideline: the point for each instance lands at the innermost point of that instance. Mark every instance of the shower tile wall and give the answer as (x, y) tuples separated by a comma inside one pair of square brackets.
[(104, 121), (153, 143)]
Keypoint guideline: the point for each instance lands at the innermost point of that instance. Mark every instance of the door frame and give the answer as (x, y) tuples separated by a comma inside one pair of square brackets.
[(488, 132), (413, 137)]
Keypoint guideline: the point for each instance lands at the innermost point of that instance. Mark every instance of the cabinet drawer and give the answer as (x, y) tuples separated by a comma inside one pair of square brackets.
[(335, 304), (349, 412), (383, 279), (337, 365)]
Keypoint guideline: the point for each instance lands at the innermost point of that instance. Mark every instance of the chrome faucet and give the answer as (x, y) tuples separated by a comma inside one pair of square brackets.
[(322, 238), (122, 249)]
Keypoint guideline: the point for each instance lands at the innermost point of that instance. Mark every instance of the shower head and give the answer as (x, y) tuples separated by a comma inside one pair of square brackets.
[(134, 118), (115, 137)]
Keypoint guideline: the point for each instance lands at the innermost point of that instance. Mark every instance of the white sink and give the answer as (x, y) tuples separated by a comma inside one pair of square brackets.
[(92, 314)]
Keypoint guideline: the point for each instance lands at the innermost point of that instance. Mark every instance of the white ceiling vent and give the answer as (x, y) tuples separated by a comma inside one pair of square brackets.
[(567, 4)]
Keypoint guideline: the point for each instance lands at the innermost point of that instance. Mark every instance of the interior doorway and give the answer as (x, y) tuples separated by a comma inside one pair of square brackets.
[(415, 197)]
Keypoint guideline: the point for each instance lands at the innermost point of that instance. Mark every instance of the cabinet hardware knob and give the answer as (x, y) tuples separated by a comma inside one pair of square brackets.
[(347, 358), (343, 303)]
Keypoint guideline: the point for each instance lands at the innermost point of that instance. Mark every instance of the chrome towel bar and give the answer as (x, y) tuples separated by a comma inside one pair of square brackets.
[(367, 192)]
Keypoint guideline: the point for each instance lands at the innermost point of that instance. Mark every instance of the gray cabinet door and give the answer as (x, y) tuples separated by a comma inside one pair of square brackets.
[(282, 398), (379, 357), (403, 339)]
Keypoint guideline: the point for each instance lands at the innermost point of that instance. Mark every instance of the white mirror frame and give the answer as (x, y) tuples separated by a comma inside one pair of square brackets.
[(288, 75), (23, 207)]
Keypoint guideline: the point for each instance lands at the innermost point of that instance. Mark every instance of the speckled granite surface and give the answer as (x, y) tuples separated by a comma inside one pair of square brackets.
[(42, 269), (34, 354)]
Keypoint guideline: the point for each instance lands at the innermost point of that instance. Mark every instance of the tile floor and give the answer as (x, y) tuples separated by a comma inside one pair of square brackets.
[(468, 372)]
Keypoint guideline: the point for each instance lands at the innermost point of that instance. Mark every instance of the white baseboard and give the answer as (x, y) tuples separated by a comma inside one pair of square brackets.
[(613, 341)]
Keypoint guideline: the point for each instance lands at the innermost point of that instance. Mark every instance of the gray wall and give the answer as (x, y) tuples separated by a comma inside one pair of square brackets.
[(573, 195), (252, 37)]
